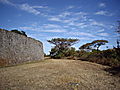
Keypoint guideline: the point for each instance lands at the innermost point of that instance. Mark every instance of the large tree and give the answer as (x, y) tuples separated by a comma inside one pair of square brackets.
[(61, 45), (98, 43)]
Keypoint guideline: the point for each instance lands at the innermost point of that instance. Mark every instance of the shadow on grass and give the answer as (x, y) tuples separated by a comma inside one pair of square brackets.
[(23, 63), (115, 71)]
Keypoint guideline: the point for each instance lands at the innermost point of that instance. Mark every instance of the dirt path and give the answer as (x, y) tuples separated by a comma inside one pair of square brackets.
[(58, 75)]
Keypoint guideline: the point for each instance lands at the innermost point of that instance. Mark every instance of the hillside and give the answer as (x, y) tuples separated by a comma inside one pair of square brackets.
[(58, 74)]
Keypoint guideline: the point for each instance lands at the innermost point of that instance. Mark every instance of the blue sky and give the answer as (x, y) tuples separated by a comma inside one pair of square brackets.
[(43, 20)]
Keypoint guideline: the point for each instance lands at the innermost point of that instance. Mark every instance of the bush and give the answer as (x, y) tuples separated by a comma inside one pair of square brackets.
[(63, 53), (19, 32), (106, 57)]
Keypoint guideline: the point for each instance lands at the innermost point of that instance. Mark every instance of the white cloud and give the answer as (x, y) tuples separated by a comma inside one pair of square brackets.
[(42, 7), (102, 30), (97, 23), (51, 26), (26, 7), (67, 17), (81, 13), (54, 31), (7, 2), (29, 28), (81, 25), (86, 34), (103, 34), (101, 13), (64, 14), (54, 19), (105, 13), (102, 5), (70, 7), (29, 9), (70, 21), (81, 33)]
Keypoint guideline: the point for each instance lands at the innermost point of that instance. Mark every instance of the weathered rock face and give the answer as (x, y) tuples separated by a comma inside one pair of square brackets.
[(15, 48)]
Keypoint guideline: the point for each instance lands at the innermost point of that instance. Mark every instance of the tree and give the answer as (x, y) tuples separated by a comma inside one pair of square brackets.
[(62, 45), (71, 52), (95, 43), (98, 43), (118, 31), (118, 40), (118, 28)]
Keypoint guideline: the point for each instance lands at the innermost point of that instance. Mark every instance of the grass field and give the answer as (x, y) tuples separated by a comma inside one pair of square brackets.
[(58, 74)]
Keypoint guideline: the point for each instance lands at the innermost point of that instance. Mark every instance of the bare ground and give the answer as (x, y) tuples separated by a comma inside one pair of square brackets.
[(57, 74)]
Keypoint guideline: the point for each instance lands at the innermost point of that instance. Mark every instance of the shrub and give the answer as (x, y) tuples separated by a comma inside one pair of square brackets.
[(19, 32), (106, 57)]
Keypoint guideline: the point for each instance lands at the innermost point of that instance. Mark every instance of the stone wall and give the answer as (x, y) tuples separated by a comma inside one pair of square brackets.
[(16, 48)]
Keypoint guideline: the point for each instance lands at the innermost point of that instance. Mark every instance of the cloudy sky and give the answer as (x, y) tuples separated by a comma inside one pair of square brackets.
[(86, 20)]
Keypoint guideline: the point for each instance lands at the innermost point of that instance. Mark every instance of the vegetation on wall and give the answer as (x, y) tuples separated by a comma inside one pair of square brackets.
[(19, 32)]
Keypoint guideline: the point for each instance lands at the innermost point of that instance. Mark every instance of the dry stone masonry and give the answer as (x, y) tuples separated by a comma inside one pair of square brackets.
[(16, 48)]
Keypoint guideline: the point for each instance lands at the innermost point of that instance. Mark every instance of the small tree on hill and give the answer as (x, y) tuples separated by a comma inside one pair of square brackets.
[(62, 45), (98, 43)]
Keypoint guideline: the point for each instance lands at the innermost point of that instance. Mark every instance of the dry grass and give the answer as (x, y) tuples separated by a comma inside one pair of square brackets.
[(58, 75)]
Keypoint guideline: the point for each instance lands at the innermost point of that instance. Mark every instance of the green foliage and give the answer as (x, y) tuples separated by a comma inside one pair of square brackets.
[(70, 52), (62, 47), (19, 32), (105, 57)]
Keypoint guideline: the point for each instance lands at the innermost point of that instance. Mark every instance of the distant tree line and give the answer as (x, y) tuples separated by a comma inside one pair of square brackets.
[(63, 47)]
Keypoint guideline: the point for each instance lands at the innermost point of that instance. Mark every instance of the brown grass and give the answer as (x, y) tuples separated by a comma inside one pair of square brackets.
[(55, 74)]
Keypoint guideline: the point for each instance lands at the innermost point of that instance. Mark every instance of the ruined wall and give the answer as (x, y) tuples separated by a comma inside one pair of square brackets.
[(15, 48)]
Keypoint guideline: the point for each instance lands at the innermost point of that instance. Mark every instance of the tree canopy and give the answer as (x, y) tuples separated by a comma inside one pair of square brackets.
[(98, 43), (63, 42), (95, 43)]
